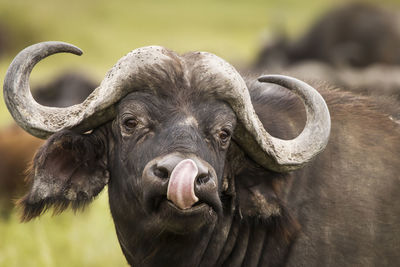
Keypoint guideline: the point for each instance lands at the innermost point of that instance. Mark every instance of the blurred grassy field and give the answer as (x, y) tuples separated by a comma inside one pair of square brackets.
[(107, 30), (84, 239)]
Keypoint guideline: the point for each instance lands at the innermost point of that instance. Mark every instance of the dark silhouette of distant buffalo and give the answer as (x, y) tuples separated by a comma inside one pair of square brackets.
[(354, 47), (356, 35)]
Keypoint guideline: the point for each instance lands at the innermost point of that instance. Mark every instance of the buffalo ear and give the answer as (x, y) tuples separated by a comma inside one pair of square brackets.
[(69, 169), (257, 199)]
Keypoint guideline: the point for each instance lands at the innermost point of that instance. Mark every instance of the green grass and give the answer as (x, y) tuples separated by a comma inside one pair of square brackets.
[(106, 30), (81, 239)]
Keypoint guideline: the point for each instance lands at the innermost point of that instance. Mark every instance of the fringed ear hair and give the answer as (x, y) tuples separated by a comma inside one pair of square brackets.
[(68, 170)]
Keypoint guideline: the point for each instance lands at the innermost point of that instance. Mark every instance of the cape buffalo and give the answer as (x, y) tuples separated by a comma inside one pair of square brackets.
[(356, 35), (204, 169)]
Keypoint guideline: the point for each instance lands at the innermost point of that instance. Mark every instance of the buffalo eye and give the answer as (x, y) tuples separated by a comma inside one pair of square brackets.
[(224, 136), (130, 123)]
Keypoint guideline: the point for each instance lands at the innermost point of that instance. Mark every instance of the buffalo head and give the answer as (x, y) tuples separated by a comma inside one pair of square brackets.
[(166, 132)]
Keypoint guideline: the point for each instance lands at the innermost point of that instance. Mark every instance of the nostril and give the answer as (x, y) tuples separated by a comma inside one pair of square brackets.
[(203, 178), (161, 172)]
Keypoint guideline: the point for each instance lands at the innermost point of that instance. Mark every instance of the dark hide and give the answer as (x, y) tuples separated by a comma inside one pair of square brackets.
[(344, 199), (339, 210)]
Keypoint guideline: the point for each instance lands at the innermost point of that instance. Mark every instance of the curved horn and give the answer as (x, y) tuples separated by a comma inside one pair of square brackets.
[(24, 109), (278, 154), (293, 154), (98, 108), (287, 155), (270, 152)]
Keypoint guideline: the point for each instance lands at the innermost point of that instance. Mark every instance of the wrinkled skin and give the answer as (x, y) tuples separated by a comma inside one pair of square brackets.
[(165, 128)]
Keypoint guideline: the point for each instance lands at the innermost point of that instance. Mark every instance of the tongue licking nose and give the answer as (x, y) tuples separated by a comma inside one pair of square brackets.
[(181, 184)]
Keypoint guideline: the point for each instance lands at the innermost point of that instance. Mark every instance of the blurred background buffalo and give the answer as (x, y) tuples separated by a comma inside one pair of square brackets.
[(352, 46), (18, 147), (356, 35)]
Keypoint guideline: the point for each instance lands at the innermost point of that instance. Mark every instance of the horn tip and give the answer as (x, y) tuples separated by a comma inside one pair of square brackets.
[(268, 77), (72, 48), (58, 47)]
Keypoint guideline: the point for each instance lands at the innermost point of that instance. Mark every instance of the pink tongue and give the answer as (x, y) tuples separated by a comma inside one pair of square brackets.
[(181, 184)]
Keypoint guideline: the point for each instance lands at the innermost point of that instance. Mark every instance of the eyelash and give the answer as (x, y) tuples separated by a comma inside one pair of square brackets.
[(130, 123), (224, 136)]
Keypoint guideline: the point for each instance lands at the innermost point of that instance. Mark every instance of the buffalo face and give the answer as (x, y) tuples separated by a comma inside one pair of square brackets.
[(166, 133), (169, 158)]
